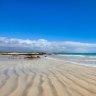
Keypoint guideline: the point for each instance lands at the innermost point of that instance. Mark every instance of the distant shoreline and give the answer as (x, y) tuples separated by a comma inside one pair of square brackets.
[(22, 53)]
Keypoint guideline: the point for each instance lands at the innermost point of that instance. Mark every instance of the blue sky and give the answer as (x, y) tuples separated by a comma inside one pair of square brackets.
[(54, 20), (71, 24)]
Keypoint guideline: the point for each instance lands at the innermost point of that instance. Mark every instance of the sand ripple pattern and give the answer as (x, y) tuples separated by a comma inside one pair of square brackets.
[(46, 77)]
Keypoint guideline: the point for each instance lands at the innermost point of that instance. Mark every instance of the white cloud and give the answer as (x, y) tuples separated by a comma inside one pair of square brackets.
[(11, 44)]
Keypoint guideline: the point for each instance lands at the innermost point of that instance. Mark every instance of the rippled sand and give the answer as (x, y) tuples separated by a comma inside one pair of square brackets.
[(46, 77)]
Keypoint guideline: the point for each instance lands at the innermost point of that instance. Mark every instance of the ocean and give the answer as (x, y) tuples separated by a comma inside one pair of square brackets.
[(87, 59)]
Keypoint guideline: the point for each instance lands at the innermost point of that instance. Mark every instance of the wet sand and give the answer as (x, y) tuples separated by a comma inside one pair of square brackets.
[(46, 77)]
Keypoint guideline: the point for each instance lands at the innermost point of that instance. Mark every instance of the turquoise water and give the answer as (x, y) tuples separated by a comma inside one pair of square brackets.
[(84, 54)]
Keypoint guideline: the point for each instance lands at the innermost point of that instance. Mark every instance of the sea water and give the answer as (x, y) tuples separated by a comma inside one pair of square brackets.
[(87, 59)]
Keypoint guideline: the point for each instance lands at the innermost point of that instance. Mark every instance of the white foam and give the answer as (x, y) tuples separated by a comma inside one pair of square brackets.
[(81, 61)]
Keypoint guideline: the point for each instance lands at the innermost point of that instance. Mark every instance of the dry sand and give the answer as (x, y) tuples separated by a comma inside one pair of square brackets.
[(46, 77)]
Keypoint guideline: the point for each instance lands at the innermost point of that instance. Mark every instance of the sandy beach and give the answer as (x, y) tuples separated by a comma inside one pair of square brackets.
[(46, 77)]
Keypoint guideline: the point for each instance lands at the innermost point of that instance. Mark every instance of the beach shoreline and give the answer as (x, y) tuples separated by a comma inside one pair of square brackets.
[(46, 77), (88, 61)]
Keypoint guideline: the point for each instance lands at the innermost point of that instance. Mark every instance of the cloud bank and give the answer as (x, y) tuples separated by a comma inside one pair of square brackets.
[(11, 44)]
